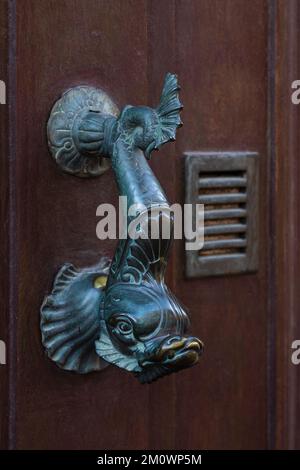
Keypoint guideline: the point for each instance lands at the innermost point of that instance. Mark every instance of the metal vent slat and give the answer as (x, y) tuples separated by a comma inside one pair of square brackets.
[(229, 198), (227, 257), (226, 228), (222, 182), (231, 243), (224, 213)]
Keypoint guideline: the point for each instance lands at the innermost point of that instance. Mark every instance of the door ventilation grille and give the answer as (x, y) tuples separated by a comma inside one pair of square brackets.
[(224, 195), (227, 185)]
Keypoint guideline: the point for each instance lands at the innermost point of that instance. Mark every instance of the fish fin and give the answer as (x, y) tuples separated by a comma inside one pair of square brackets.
[(70, 318), (169, 110)]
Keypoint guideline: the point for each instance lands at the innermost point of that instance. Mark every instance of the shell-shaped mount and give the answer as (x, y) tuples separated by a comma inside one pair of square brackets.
[(64, 122), (70, 317)]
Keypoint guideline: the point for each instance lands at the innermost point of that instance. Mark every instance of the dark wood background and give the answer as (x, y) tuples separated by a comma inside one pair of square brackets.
[(244, 392), (285, 196), (4, 230)]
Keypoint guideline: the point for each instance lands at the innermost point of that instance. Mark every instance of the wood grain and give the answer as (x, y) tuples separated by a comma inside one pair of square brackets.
[(222, 403), (4, 220), (286, 223), (220, 52)]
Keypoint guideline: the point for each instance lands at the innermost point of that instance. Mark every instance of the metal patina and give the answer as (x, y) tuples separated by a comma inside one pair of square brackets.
[(119, 312)]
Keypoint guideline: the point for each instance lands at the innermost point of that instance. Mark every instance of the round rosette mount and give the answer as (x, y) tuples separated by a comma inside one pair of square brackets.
[(74, 130)]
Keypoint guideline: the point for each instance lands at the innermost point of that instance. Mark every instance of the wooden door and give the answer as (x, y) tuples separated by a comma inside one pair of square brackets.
[(224, 53)]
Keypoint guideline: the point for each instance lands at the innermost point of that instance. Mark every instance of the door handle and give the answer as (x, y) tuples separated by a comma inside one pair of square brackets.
[(119, 312)]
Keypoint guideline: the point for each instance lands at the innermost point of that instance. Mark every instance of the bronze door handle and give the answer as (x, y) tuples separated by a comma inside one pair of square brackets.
[(120, 312)]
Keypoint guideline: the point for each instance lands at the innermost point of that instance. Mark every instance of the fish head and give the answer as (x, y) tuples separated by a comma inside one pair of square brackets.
[(145, 331), (143, 125)]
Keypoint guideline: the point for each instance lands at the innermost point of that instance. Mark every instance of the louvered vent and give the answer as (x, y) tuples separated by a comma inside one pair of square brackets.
[(226, 183), (224, 195)]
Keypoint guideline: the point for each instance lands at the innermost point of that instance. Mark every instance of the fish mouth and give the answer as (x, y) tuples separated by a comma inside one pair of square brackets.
[(171, 355)]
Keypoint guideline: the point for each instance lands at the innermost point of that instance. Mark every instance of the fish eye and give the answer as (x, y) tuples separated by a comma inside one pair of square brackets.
[(170, 354), (173, 339), (124, 326)]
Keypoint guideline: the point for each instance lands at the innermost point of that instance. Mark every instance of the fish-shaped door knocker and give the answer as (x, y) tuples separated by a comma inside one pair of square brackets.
[(120, 312)]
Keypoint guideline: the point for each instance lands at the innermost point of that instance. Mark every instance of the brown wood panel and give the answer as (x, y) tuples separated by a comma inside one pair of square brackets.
[(219, 50), (4, 220), (286, 197), (59, 45), (222, 63)]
